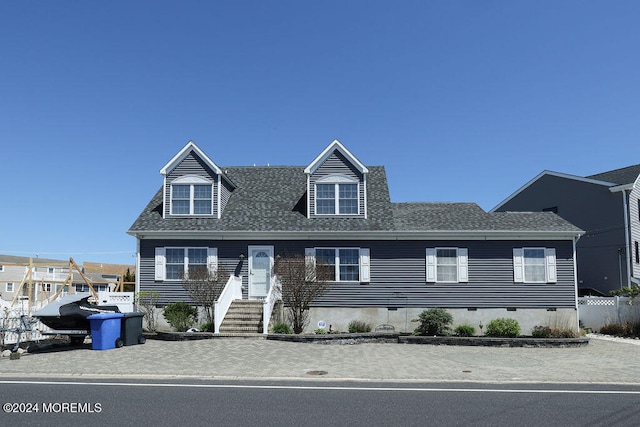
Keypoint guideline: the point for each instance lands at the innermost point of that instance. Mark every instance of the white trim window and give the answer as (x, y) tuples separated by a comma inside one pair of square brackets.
[(47, 287), (1, 268), (8, 287), (173, 263), (337, 195), (447, 265), (350, 264), (534, 265), (191, 195)]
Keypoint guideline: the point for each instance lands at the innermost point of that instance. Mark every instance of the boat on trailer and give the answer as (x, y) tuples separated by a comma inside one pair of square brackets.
[(69, 315)]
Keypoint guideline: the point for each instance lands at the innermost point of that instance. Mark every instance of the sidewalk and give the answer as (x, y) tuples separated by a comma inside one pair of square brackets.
[(601, 361)]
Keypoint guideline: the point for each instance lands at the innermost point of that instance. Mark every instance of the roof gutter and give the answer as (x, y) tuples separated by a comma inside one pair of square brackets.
[(368, 235)]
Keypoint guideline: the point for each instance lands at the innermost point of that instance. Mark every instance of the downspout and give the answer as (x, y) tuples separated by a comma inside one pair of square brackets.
[(137, 285), (626, 236), (575, 281)]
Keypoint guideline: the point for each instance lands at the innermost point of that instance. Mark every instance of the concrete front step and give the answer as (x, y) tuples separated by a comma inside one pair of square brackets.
[(243, 317), (239, 330)]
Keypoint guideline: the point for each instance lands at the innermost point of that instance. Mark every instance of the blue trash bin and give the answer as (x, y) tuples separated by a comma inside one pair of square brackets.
[(105, 330)]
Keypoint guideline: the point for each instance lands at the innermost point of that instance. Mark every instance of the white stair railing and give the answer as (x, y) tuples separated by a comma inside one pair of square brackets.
[(232, 290), (273, 296)]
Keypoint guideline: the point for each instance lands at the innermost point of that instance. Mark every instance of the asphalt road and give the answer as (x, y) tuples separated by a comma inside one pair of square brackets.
[(37, 401)]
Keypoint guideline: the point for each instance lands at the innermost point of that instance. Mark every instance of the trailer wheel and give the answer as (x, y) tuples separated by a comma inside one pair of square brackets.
[(75, 340)]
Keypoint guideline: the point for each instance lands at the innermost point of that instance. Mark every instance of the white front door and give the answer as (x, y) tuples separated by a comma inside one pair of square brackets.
[(260, 263)]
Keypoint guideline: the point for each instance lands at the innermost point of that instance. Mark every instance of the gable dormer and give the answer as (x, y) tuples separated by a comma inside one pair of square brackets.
[(336, 184), (194, 186)]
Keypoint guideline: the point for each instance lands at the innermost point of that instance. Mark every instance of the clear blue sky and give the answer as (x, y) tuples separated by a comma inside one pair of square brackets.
[(460, 100)]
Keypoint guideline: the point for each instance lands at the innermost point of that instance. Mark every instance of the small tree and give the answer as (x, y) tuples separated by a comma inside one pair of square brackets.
[(147, 302), (204, 287), (631, 292), (302, 281)]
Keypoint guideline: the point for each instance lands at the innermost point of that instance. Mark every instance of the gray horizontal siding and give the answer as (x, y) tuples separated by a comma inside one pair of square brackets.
[(398, 274)]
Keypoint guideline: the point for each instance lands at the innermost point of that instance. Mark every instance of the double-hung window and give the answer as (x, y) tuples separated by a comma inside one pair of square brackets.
[(175, 263), (8, 287), (337, 198), (534, 265), (191, 195), (348, 264), (447, 265)]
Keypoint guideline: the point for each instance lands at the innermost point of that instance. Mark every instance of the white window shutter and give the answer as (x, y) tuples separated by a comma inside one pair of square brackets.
[(518, 265), (431, 265), (160, 261), (365, 265), (463, 265), (550, 256), (212, 260), (310, 262)]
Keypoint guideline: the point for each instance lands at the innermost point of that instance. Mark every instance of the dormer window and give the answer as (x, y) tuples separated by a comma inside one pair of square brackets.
[(191, 195), (337, 195)]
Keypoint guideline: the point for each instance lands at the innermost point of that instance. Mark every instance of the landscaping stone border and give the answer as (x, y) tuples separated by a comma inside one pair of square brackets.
[(496, 342), (380, 337), (351, 338)]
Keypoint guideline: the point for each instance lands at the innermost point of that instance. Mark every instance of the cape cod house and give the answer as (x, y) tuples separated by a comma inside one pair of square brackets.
[(391, 260)]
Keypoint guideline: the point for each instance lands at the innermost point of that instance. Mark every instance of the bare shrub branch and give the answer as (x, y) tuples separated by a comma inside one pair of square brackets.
[(204, 287), (302, 281)]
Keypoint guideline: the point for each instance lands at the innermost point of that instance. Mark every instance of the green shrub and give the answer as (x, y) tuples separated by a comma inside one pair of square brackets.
[(434, 321), (180, 315), (282, 328), (321, 331), (503, 327), (359, 326), (207, 327), (465, 331), (541, 332)]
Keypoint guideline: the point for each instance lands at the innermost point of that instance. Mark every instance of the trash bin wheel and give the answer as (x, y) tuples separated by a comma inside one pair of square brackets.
[(142, 339), (119, 343)]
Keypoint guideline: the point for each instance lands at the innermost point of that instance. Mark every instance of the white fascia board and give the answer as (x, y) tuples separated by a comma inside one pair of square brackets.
[(335, 145), (383, 235), (191, 146), (624, 187), (550, 173)]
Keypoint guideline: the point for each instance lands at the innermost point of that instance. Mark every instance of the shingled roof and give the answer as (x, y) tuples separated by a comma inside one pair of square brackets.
[(471, 217), (273, 199), (620, 176)]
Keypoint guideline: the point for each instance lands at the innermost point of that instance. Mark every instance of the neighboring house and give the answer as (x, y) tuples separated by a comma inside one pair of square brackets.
[(46, 278), (605, 205), (391, 260)]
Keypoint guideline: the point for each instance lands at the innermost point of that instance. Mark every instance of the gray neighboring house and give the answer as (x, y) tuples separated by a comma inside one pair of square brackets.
[(605, 205), (391, 260)]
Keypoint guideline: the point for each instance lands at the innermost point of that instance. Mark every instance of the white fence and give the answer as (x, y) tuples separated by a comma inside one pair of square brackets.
[(12, 322), (595, 312)]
